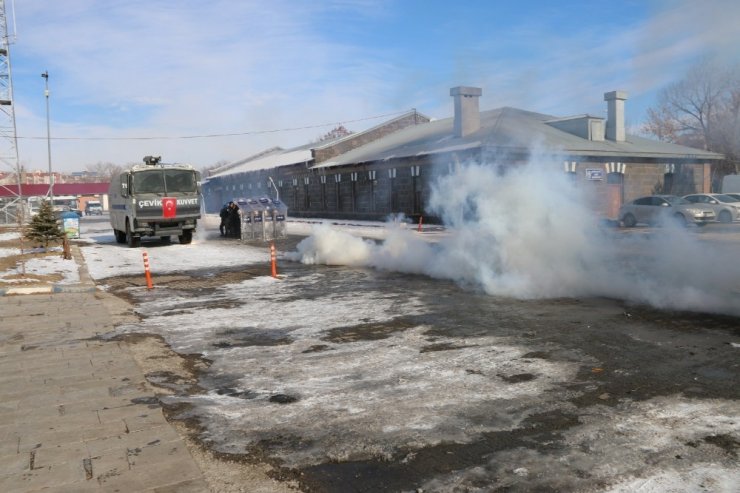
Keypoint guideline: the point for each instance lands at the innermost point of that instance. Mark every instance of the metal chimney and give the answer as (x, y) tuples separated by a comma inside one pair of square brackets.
[(615, 115), (467, 116)]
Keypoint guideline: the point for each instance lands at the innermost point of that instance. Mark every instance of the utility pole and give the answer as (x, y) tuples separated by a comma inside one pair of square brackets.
[(45, 75), (8, 138)]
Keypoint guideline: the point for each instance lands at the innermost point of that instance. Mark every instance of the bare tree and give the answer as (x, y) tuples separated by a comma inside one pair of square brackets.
[(335, 133), (702, 110), (104, 171)]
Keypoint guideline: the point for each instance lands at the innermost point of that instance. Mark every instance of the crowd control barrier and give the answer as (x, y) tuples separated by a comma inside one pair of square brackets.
[(262, 219)]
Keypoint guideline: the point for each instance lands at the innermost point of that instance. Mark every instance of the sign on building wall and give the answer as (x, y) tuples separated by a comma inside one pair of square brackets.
[(594, 174)]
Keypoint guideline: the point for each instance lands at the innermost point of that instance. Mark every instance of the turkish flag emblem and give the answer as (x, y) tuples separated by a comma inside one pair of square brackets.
[(169, 207)]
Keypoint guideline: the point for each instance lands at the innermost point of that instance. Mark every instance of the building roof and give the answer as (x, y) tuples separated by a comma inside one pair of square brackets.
[(277, 156), (273, 159), (509, 129), (514, 128), (41, 189), (410, 141)]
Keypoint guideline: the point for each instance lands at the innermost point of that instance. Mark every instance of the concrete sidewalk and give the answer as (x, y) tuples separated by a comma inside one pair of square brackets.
[(76, 414)]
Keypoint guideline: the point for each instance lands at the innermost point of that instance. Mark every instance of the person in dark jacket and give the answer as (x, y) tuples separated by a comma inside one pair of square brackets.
[(234, 221), (224, 214)]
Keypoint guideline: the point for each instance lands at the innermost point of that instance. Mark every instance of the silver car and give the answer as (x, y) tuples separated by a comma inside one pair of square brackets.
[(726, 207), (662, 209)]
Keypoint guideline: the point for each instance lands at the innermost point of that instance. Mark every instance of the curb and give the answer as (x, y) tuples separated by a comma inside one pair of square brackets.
[(49, 289)]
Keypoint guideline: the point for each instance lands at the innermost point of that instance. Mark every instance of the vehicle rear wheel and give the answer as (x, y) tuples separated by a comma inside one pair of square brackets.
[(629, 221), (132, 240), (186, 237), (725, 217)]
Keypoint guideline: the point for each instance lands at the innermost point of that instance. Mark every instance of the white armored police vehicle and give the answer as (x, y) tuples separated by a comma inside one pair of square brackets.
[(155, 199)]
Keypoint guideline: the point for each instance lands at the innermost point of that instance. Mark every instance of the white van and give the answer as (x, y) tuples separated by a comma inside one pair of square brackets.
[(93, 208)]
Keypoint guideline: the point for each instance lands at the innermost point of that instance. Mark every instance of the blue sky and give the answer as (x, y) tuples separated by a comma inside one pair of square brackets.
[(123, 73)]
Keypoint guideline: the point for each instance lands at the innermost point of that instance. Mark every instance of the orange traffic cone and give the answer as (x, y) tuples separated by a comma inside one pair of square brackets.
[(273, 259), (148, 274)]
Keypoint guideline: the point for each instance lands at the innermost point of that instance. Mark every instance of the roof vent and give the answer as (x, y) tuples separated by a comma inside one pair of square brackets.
[(584, 126), (615, 115), (467, 115)]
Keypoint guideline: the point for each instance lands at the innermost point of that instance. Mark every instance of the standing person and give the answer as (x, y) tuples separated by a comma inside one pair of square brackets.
[(234, 220), (224, 214)]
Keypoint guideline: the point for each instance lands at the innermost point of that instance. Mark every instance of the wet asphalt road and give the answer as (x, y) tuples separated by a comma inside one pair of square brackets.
[(594, 428)]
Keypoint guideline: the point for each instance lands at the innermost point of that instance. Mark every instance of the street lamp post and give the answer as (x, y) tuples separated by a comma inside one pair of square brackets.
[(45, 75)]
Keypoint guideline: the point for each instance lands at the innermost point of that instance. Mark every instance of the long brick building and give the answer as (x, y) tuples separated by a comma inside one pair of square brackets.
[(389, 169)]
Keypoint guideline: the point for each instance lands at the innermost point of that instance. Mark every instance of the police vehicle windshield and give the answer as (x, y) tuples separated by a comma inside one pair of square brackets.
[(164, 181)]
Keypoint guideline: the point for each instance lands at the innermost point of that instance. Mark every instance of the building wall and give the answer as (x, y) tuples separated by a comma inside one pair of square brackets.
[(374, 191), (604, 195), (361, 191)]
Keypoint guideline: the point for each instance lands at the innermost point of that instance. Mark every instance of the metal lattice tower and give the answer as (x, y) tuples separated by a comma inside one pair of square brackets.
[(8, 137)]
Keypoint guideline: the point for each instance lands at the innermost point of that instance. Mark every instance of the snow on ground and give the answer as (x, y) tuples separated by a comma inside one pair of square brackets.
[(106, 262), (40, 265), (170, 258), (52, 264), (103, 262), (656, 446), (9, 236), (367, 397), (7, 252), (356, 399)]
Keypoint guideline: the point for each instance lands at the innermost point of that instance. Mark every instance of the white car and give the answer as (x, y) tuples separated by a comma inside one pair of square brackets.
[(726, 207), (662, 209)]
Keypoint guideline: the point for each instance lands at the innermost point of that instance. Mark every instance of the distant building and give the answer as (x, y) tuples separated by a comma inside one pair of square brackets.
[(389, 169), (38, 177)]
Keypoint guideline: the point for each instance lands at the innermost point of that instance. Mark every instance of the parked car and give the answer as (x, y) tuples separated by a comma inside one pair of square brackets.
[(661, 209), (726, 207), (736, 196)]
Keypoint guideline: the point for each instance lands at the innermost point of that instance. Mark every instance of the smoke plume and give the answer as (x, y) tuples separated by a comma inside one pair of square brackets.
[(527, 232)]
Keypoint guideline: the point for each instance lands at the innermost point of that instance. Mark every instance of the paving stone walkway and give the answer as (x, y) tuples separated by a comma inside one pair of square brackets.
[(76, 414)]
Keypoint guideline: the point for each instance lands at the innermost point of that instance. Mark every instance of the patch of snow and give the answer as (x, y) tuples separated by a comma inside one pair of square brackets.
[(9, 236), (40, 265), (8, 252), (356, 399), (656, 446)]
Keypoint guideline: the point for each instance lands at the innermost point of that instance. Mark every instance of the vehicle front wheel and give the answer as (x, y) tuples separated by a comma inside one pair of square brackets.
[(725, 217), (629, 221), (680, 220), (120, 236), (186, 237), (132, 240)]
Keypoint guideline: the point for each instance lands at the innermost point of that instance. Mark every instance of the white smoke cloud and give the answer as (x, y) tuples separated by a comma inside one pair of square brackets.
[(527, 232)]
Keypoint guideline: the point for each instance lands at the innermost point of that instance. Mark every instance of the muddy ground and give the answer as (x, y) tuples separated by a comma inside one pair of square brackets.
[(580, 432)]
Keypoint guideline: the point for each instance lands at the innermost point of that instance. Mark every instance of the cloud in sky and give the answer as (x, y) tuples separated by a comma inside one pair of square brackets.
[(159, 68)]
